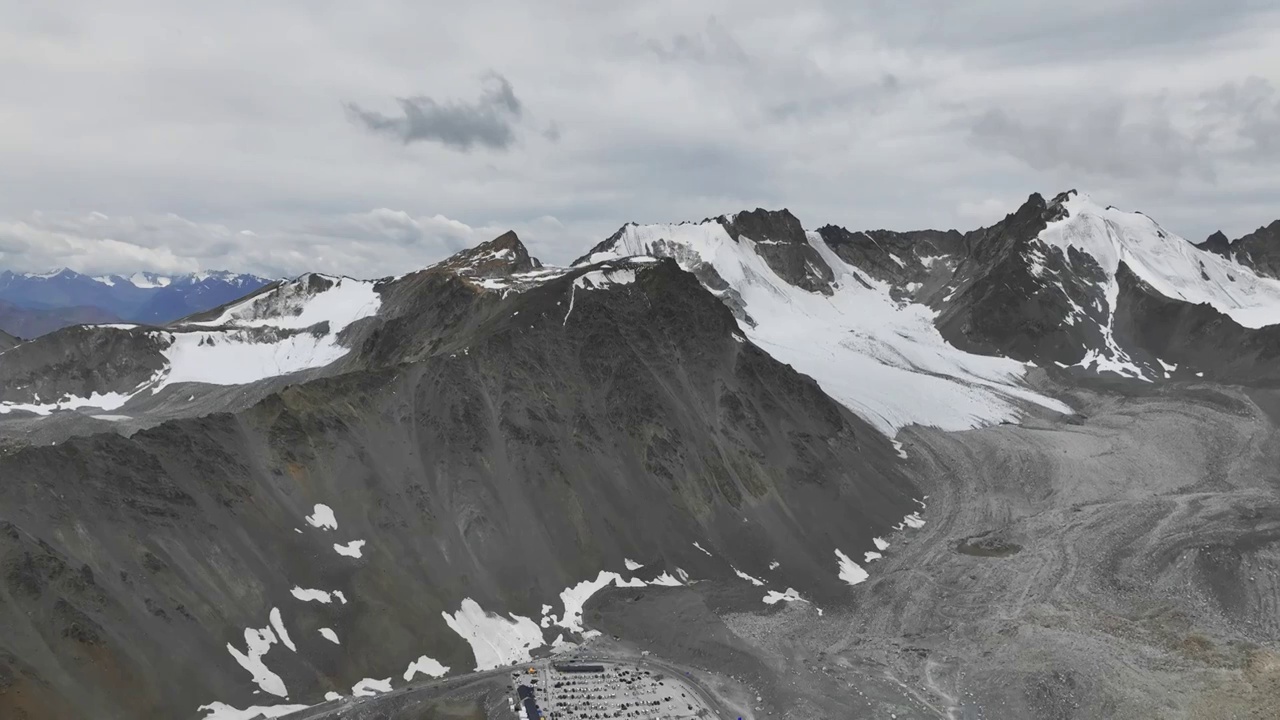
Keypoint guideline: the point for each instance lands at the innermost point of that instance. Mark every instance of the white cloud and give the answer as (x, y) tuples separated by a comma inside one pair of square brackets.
[(859, 114), (373, 244)]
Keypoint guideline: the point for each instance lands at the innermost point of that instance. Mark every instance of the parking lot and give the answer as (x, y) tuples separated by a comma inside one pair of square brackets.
[(593, 690)]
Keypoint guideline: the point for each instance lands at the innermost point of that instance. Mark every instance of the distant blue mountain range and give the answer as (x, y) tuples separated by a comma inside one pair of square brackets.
[(35, 304)]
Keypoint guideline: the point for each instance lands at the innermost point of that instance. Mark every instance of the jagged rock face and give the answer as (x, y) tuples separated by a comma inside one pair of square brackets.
[(79, 361), (504, 255), (918, 263), (1259, 250), (1179, 340), (606, 413), (1045, 286), (997, 305), (781, 241)]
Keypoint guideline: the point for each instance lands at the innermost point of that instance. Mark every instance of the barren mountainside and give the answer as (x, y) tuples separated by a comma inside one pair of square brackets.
[(1026, 471)]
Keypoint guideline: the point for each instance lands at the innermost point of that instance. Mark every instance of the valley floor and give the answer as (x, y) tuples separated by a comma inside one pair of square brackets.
[(1122, 564)]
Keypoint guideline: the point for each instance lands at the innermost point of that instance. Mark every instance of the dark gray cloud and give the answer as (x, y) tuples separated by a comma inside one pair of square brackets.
[(489, 121), (1098, 139), (1251, 110), (1139, 137)]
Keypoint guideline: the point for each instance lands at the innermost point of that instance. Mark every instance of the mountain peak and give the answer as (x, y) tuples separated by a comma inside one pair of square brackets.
[(503, 255), (765, 226), (1218, 243)]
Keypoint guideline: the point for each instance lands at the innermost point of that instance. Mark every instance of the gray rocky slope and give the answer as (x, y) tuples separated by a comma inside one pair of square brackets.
[(484, 445)]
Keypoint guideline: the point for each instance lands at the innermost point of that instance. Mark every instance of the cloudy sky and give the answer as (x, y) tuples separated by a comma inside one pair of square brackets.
[(376, 137)]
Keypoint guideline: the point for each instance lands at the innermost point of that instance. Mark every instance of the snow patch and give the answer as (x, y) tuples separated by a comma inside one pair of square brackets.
[(495, 641), (850, 571), (753, 580), (310, 595), (426, 666), (703, 550), (257, 643), (774, 597), (322, 517), (632, 564), (222, 711), (330, 635), (369, 687), (351, 549), (278, 624), (880, 543)]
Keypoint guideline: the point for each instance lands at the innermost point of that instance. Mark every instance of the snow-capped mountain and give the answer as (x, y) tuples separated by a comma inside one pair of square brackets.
[(1259, 250), (281, 329), (329, 485), (1067, 282), (469, 454), (141, 297), (804, 305)]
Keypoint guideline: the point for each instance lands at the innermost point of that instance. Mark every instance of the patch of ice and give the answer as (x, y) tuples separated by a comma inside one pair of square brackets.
[(426, 666), (665, 579), (881, 545), (897, 259), (604, 278), (632, 564), (495, 641), (338, 594), (1168, 367), (310, 595), (753, 580), (575, 597), (293, 306), (351, 549), (870, 555), (257, 643), (332, 696), (281, 632), (239, 357), (222, 711), (774, 597), (684, 576), (901, 452), (774, 565), (850, 571), (703, 550), (323, 517), (330, 635), (101, 401), (369, 687)]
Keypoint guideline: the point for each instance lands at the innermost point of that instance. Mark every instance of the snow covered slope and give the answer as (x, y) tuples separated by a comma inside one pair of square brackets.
[(286, 328), (882, 358), (1171, 265)]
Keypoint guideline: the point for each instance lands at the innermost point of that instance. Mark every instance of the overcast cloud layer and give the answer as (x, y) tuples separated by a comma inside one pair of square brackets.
[(375, 138)]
